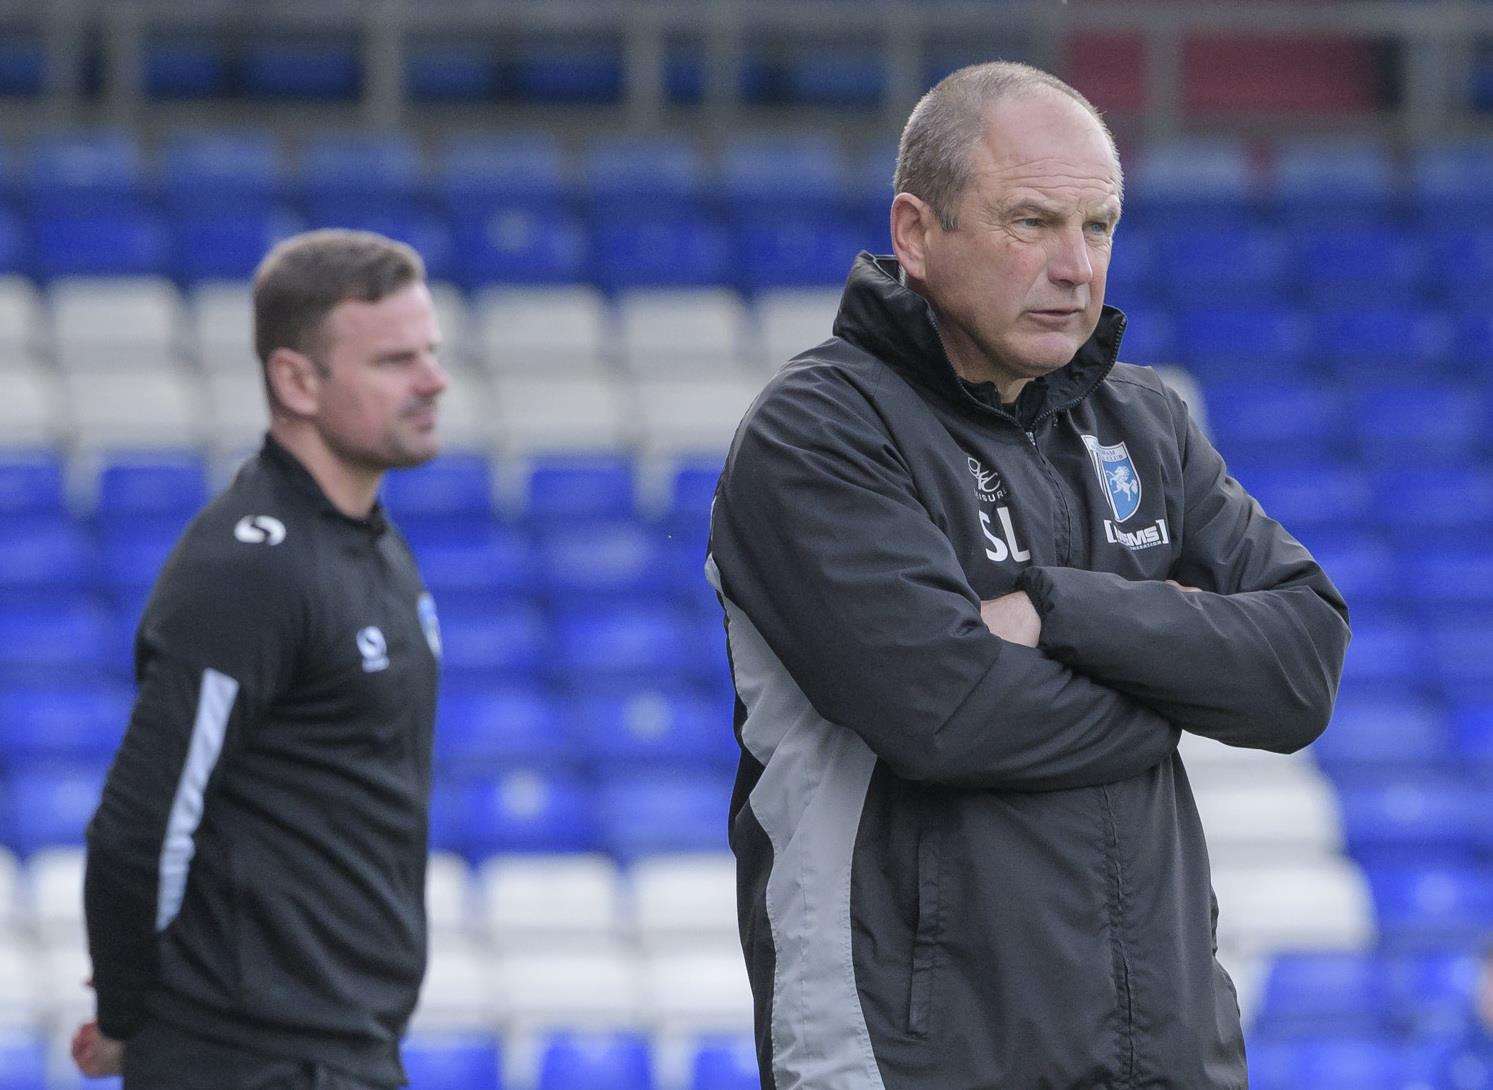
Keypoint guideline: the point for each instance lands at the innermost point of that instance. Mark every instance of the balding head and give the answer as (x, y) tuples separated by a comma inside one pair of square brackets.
[(933, 158)]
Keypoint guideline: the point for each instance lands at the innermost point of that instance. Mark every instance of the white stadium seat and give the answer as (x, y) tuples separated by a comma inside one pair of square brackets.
[(125, 323), (460, 989), (63, 992), (13, 905), (1323, 904), (1293, 818), (577, 412), (20, 999), (543, 331), (454, 321), (698, 991), (466, 410), (792, 321), (685, 900), (112, 409), (450, 899), (24, 335), (577, 989), (222, 324), (693, 415), (237, 413), (687, 333), (30, 407), (53, 879), (557, 901)]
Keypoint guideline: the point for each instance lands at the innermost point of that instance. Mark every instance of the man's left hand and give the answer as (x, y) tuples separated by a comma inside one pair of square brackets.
[(1013, 618), (97, 1056)]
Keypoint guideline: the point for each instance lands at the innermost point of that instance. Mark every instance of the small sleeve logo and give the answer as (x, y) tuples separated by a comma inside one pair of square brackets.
[(260, 530)]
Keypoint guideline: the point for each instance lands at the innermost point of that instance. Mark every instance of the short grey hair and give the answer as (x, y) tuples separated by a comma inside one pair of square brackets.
[(933, 155)]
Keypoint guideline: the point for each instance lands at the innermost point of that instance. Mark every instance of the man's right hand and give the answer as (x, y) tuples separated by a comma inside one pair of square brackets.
[(97, 1056), (1013, 618)]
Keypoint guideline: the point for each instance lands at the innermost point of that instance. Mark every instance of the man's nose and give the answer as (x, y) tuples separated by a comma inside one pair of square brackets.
[(1070, 261), (433, 377)]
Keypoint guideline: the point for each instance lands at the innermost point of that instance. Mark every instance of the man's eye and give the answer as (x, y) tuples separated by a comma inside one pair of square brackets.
[(1099, 227), (1030, 221)]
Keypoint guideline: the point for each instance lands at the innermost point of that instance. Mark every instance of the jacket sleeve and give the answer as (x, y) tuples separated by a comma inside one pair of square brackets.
[(824, 546), (217, 641), (1253, 660)]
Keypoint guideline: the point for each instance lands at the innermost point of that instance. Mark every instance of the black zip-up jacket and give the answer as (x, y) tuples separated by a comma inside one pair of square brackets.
[(256, 867), (965, 863)]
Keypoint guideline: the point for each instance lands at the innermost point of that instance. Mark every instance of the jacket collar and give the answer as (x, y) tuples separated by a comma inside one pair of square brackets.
[(895, 324), (289, 468)]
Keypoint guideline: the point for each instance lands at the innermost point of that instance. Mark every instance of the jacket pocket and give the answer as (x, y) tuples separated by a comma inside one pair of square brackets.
[(926, 938)]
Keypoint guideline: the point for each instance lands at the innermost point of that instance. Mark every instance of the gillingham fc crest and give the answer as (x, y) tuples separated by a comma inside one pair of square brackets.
[(1117, 476)]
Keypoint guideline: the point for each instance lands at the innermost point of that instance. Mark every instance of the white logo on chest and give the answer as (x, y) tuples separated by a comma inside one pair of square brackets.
[(989, 488), (373, 648), (259, 530)]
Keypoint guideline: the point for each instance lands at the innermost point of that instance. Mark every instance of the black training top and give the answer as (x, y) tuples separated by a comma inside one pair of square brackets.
[(256, 868)]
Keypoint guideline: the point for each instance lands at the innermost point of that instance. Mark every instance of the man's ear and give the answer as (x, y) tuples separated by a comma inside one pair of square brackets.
[(295, 381), (913, 220)]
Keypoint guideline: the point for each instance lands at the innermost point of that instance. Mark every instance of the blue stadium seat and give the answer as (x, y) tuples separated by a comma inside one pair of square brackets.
[(23, 71), (1243, 341), (1192, 180), (1363, 568), (843, 77), (33, 483), (1435, 906), (691, 493), (428, 233), (210, 172), (184, 67), (132, 551), (1384, 729), (623, 640), (1150, 332), (301, 69), (1419, 424), (23, 1060), (1386, 653), (343, 175), (1375, 343), (624, 174), (493, 640), (1327, 1063), (1451, 504), (454, 484), (70, 719), (46, 805), (662, 251), (1321, 181), (1474, 344), (499, 725), (1327, 494), (1453, 180), (653, 726), (868, 193), (45, 553), (152, 484), (569, 74), (517, 244), (1458, 575), (527, 810), (1431, 994), (1230, 264), (1337, 992), (796, 250), (1459, 652), (1134, 276), (66, 633), (579, 488), (452, 72), (1472, 726), (1423, 818), (227, 244), (725, 1063), (596, 1061), (607, 559), (129, 241), (1284, 421), (472, 556), (762, 175), (447, 1061), (84, 173), (477, 174), (1359, 266), (15, 244), (1461, 268), (663, 810)]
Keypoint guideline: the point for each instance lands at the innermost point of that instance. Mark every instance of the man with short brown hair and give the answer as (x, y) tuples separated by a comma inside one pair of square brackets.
[(255, 874)]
